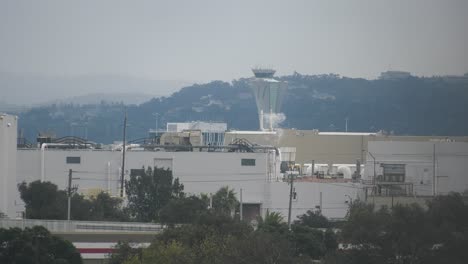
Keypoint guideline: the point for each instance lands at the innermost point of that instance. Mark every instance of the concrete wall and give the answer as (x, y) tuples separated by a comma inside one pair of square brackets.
[(8, 135), (451, 163), (102, 169)]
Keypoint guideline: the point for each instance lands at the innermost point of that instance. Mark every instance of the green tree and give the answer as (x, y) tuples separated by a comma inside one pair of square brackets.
[(123, 251), (107, 208), (225, 201), (35, 245), (183, 210), (364, 226), (330, 240), (148, 191), (407, 233), (43, 200), (259, 247), (308, 241), (170, 253), (448, 216), (218, 238), (312, 235), (313, 219), (273, 222), (407, 236)]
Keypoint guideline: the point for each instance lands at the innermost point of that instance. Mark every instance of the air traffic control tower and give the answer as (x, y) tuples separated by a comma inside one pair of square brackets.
[(268, 96)]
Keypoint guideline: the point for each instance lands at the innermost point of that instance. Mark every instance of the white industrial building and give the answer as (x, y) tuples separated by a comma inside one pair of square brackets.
[(257, 173), (417, 168), (8, 135), (201, 172), (331, 166)]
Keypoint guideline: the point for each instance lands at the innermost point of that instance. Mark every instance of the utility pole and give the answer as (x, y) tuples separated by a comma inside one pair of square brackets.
[(373, 178), (69, 193), (320, 203), (291, 180), (123, 156), (241, 205), (434, 178)]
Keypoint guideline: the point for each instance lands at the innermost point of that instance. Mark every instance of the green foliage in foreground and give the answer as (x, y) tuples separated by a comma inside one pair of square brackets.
[(407, 234), (35, 246), (43, 200), (214, 236), (403, 234), (153, 196)]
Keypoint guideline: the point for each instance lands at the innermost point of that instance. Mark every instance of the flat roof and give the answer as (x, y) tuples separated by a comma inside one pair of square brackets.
[(347, 133), (252, 132)]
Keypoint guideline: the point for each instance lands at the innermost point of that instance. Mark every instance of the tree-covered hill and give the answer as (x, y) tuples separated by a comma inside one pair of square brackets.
[(415, 106)]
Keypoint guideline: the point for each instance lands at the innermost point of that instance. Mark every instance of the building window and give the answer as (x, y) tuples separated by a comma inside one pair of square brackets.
[(248, 162), (73, 160)]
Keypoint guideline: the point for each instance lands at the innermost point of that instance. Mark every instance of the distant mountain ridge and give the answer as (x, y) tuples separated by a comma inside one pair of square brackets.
[(412, 106)]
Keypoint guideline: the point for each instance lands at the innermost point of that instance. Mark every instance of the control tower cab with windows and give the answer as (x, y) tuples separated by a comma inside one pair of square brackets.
[(268, 93)]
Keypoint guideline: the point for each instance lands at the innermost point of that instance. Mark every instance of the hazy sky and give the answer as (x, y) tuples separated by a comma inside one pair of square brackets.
[(206, 40)]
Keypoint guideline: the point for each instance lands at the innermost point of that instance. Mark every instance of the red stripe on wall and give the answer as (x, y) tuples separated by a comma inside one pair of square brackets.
[(95, 250)]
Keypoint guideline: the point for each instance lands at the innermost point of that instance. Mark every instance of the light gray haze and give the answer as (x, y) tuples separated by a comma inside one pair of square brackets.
[(208, 40)]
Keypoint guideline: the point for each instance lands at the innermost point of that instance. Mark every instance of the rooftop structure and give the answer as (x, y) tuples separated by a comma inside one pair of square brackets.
[(197, 125), (263, 73), (212, 132)]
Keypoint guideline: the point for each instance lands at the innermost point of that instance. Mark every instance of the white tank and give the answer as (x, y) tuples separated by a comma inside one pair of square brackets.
[(308, 169), (346, 171)]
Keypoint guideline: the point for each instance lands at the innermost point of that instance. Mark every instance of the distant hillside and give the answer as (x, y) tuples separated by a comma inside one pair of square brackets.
[(97, 98), (415, 106)]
